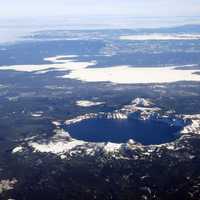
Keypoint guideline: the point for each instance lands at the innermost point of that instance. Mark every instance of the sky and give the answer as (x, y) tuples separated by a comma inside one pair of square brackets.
[(135, 8)]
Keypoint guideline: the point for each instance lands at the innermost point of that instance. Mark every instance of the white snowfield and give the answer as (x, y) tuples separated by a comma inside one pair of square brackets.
[(142, 102), (18, 149), (157, 36), (7, 184), (59, 63), (118, 74), (131, 75), (58, 145), (112, 147), (86, 103)]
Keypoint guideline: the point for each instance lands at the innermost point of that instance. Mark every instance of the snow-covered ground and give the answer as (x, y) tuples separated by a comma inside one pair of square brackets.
[(37, 114), (7, 184), (117, 74), (60, 143), (17, 149), (56, 147), (133, 75), (58, 63), (157, 36), (86, 103)]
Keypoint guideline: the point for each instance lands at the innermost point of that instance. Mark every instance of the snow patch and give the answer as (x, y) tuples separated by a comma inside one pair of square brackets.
[(81, 118), (194, 125), (161, 37), (59, 63), (142, 102), (57, 147), (37, 114), (18, 149), (60, 143), (86, 103), (6, 185), (112, 147), (56, 123)]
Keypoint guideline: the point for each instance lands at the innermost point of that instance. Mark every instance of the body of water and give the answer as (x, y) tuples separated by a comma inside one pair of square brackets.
[(120, 131)]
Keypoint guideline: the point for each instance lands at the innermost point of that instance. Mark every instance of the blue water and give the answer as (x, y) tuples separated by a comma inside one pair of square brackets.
[(119, 131)]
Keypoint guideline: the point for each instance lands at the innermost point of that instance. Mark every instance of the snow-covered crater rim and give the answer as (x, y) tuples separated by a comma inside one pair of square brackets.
[(64, 146)]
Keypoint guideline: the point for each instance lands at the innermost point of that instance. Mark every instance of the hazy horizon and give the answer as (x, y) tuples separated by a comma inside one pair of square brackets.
[(20, 17), (142, 8)]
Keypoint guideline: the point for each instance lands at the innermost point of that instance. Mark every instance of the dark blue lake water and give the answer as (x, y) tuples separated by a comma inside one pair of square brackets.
[(119, 131)]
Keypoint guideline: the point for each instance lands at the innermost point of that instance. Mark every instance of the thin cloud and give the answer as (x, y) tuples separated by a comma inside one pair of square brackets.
[(138, 8)]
